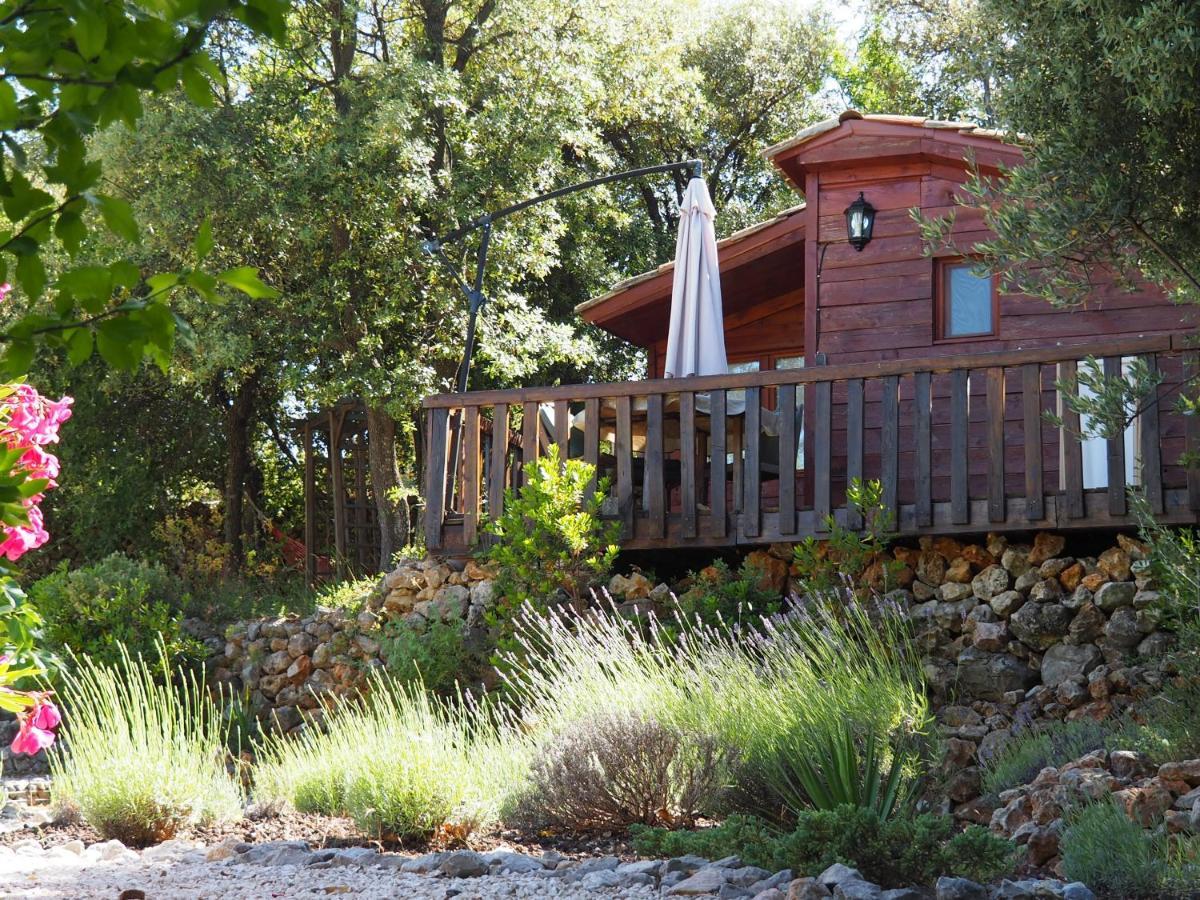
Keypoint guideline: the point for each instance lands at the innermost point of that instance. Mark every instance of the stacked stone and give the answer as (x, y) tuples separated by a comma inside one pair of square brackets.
[(1164, 797)]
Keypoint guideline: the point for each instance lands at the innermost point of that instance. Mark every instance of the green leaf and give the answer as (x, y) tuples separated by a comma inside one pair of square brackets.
[(70, 230), (17, 359), (203, 244), (246, 280), (91, 285), (79, 346), (120, 343), (31, 273), (197, 86), (9, 111), (162, 281), (118, 217), (90, 32)]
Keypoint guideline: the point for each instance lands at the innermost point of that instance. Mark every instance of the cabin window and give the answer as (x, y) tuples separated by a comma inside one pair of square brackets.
[(966, 301)]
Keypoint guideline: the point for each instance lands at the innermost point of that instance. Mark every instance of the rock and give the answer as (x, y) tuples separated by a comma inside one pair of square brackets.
[(277, 662), (779, 880), (652, 867), (423, 865), (857, 889), (1045, 590), (1114, 564), (959, 571), (931, 567), (988, 676), (991, 581), (1087, 626), (836, 874), (605, 879), (1045, 546), (1063, 662), (902, 894), (991, 636), (507, 861), (1122, 629), (1070, 577), (959, 889), (464, 864), (1187, 771), (597, 864), (807, 889), (1144, 805), (1040, 625), (1016, 560), (1114, 595), (1129, 764), (708, 880), (953, 592), (1077, 890), (1006, 603)]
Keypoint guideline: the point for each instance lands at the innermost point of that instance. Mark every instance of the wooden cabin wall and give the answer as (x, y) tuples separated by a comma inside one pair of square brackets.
[(878, 304)]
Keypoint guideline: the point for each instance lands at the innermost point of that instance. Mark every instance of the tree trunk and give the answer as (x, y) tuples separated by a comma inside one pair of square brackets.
[(385, 480), (239, 416)]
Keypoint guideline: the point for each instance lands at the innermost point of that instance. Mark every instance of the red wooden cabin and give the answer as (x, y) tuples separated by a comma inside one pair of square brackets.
[(881, 363)]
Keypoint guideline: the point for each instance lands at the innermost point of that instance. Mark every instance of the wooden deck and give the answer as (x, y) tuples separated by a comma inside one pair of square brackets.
[(961, 444)]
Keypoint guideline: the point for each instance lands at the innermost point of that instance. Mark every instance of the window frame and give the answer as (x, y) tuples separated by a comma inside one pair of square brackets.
[(942, 266)]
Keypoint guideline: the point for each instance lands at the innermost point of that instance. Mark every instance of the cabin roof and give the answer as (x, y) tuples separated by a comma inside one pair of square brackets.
[(850, 140)]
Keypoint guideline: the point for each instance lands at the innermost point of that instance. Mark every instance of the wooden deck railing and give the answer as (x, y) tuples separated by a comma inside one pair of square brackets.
[(959, 444)]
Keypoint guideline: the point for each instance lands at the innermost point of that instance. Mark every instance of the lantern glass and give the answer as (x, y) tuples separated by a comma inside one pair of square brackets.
[(860, 222)]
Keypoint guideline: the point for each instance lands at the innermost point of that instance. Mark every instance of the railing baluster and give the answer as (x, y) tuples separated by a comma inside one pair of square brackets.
[(923, 501), (822, 453), (1031, 405), (687, 463), (1115, 455), (960, 498), (995, 414), (1071, 444), (751, 496), (1191, 370), (889, 443), (470, 476), (623, 448), (653, 484), (529, 441), (498, 462), (1151, 451), (854, 444), (436, 423), (591, 439), (787, 459), (716, 485), (562, 429)]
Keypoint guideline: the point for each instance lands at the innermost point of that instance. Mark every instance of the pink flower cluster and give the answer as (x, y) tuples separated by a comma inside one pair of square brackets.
[(37, 727), (30, 422)]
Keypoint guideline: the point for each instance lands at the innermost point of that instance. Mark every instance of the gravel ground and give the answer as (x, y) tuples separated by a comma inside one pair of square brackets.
[(188, 871)]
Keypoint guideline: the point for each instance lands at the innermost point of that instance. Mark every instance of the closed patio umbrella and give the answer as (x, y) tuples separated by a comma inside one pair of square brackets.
[(696, 340)]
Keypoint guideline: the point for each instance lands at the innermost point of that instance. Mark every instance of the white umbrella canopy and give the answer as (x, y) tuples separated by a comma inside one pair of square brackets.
[(696, 340)]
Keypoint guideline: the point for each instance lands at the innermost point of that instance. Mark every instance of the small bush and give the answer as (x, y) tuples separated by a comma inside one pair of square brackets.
[(115, 606), (402, 763), (349, 595), (435, 655), (1049, 744), (618, 770), (828, 564), (551, 537), (145, 755), (1113, 855), (717, 595), (893, 853)]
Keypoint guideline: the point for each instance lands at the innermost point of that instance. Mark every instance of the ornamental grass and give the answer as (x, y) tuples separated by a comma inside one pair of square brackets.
[(144, 756), (402, 763), (790, 690)]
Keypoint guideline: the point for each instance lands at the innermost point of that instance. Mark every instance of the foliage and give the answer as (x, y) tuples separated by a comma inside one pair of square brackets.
[(113, 607), (350, 595), (619, 770), (1113, 855), (826, 564), (402, 763), (147, 752), (717, 595), (894, 853), (1046, 744), (1103, 95), (434, 656), (771, 696), (67, 74), (550, 536)]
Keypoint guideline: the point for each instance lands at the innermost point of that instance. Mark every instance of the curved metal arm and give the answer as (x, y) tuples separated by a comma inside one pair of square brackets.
[(435, 246)]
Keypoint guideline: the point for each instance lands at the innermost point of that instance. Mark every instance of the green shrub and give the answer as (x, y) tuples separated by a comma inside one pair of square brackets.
[(551, 537), (717, 595), (349, 595), (402, 763), (827, 564), (1048, 744), (109, 607), (619, 770), (144, 755), (773, 697), (891, 853), (1113, 855), (434, 655)]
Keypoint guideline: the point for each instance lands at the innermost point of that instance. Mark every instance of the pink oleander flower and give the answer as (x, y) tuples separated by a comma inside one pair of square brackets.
[(30, 422), (4, 289), (31, 739), (46, 715)]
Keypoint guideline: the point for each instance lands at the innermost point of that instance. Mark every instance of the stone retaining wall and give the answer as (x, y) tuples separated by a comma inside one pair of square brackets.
[(1010, 632)]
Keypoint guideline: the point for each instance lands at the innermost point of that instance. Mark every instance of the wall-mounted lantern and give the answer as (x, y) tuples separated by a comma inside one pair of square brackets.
[(860, 222)]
